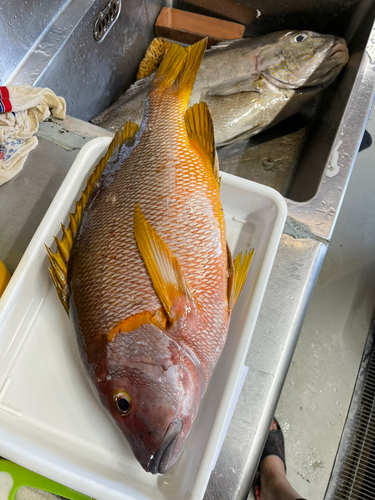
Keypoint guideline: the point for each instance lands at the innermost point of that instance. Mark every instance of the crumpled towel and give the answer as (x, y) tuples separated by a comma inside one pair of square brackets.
[(22, 107)]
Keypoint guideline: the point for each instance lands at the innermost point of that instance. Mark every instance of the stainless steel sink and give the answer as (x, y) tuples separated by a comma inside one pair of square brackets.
[(308, 158)]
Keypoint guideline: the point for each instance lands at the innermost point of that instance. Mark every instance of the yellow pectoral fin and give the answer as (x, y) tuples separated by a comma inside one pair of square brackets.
[(241, 267), (161, 264)]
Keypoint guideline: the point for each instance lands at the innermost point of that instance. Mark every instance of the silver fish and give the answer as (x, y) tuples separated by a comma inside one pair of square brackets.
[(249, 84)]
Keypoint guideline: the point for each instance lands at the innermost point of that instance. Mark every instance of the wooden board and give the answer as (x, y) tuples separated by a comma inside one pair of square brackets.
[(187, 27)]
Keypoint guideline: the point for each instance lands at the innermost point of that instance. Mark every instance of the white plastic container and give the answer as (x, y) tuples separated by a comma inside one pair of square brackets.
[(50, 421)]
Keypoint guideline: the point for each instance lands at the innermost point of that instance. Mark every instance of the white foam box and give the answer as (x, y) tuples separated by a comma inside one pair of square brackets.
[(50, 420)]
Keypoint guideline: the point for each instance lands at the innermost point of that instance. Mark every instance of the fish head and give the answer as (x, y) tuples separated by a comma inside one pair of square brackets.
[(302, 60), (152, 388)]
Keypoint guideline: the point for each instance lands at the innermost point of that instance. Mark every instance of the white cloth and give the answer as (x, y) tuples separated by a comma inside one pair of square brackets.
[(15, 152), (30, 106)]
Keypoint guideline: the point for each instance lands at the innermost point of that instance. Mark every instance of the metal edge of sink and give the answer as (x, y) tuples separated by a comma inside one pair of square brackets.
[(318, 215)]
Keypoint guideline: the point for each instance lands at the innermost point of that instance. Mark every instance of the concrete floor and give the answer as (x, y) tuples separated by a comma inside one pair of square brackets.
[(319, 385)]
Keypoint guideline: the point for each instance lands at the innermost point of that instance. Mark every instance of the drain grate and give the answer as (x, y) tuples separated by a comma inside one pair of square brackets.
[(353, 474)]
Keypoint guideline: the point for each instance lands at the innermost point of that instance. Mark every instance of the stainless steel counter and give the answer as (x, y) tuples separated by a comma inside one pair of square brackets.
[(24, 200)]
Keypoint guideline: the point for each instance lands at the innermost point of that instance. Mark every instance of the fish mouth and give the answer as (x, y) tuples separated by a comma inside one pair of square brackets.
[(160, 462), (338, 52)]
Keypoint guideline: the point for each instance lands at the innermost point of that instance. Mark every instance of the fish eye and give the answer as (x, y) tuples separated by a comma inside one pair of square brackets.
[(300, 37), (122, 402)]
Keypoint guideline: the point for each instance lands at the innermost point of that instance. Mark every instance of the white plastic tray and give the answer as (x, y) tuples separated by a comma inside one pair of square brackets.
[(50, 421)]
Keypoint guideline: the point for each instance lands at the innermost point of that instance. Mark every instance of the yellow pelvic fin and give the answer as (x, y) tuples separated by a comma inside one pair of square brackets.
[(59, 260), (241, 267), (200, 130), (180, 67), (161, 264)]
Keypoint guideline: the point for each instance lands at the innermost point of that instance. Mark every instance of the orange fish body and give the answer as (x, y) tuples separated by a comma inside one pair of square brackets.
[(147, 274)]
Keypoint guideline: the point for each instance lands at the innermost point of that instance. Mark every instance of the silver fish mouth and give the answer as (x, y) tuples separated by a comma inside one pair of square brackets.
[(160, 462)]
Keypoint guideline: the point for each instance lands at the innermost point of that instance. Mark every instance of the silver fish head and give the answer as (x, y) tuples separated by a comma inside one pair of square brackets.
[(302, 60), (152, 388)]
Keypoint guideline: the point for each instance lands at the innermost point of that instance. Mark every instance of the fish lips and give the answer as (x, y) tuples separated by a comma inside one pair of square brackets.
[(161, 461)]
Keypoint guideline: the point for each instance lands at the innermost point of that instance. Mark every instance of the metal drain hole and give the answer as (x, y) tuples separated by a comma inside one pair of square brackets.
[(106, 19)]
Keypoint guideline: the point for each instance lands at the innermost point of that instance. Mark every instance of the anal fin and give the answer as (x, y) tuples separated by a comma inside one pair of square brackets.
[(163, 268)]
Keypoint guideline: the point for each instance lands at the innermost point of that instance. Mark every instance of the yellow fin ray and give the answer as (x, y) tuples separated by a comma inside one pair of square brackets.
[(194, 58), (170, 66), (241, 267), (59, 260), (162, 265), (180, 67), (200, 129)]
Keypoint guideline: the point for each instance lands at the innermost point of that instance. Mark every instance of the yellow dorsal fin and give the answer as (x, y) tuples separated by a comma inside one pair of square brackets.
[(200, 130), (59, 260), (241, 267), (162, 266), (180, 67)]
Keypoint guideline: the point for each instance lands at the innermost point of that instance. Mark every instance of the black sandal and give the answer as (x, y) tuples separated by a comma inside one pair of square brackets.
[(274, 446)]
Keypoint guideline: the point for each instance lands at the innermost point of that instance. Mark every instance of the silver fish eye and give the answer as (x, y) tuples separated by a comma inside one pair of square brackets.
[(300, 37), (122, 403)]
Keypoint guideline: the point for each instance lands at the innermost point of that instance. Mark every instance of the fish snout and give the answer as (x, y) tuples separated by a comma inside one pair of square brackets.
[(161, 461), (339, 51)]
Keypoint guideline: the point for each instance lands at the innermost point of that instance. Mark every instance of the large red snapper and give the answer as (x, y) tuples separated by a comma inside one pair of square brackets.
[(144, 271)]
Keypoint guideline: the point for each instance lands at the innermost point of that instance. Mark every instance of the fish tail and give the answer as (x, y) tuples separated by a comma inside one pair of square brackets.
[(186, 78), (179, 68)]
